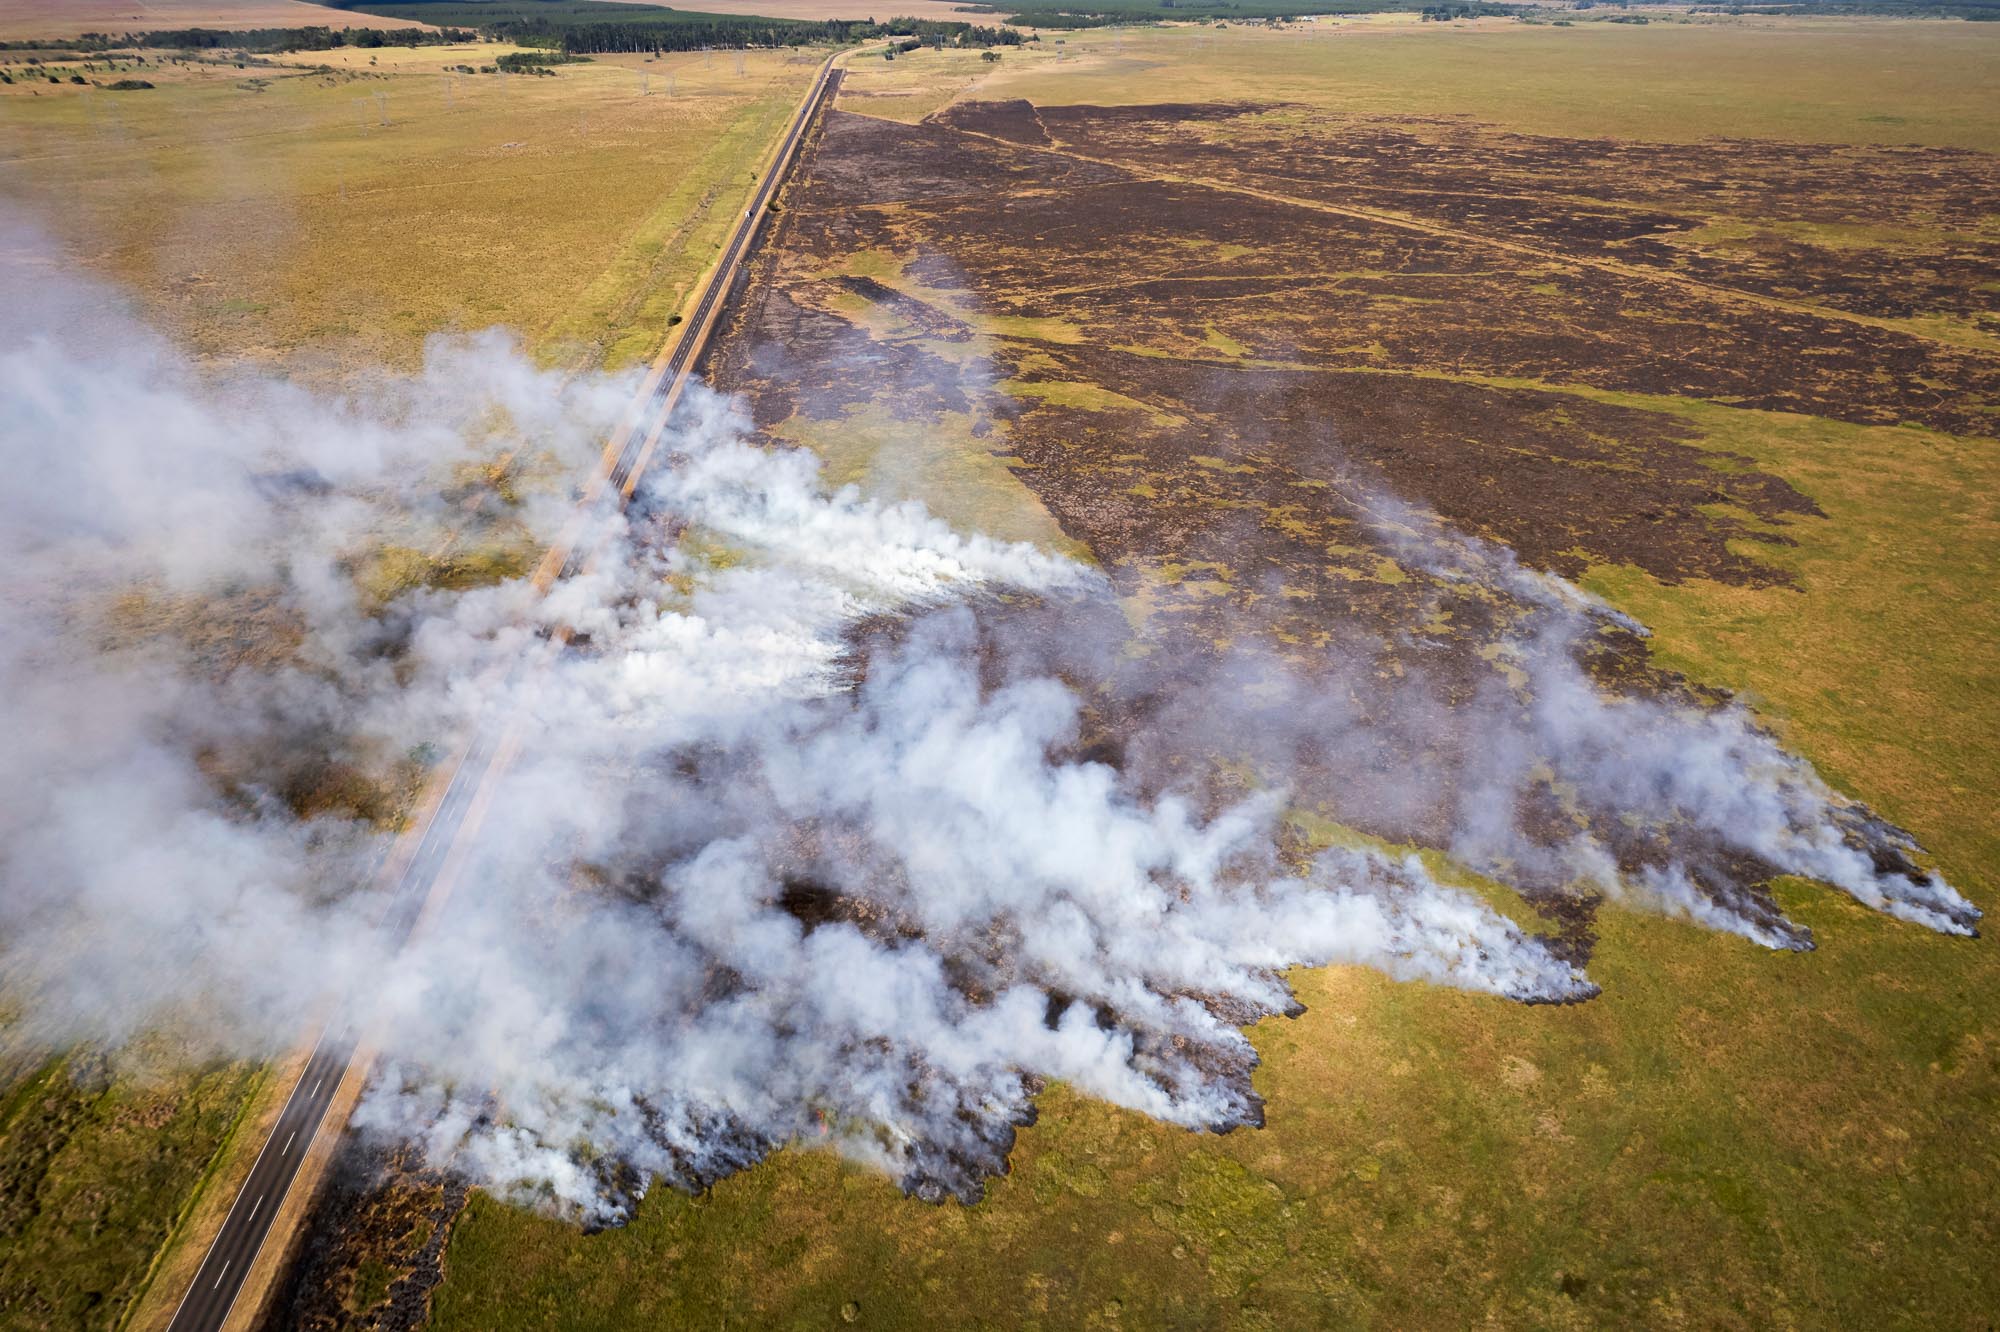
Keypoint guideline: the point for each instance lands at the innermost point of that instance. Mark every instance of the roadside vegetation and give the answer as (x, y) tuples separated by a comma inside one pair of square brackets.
[(96, 1162)]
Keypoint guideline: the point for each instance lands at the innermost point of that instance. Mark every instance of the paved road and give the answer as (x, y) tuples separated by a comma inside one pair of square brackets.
[(216, 1285), (667, 389)]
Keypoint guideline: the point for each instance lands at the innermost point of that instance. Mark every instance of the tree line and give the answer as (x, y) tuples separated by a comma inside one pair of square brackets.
[(729, 32)]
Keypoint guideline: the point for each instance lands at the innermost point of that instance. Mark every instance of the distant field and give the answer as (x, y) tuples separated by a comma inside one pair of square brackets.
[(339, 207), (946, 10), (23, 20), (1818, 80), (1701, 316)]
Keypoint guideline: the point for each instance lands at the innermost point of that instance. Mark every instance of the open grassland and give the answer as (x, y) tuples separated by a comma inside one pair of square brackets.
[(39, 20), (1152, 329), (1825, 80), (335, 209), (95, 1164), (917, 83), (323, 215)]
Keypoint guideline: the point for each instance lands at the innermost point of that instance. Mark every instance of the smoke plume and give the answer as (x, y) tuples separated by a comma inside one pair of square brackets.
[(810, 835)]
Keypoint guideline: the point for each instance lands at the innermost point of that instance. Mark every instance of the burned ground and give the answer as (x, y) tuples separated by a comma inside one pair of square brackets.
[(1224, 345), (374, 1249), (1575, 481), (1882, 230), (1150, 254), (1244, 349)]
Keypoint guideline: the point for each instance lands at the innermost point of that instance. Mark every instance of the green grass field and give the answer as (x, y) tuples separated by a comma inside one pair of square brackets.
[(1824, 80), (95, 1166)]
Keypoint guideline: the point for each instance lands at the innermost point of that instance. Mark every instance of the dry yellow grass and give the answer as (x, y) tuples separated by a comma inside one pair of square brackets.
[(920, 82), (27, 20), (1829, 81), (1826, 81), (334, 209)]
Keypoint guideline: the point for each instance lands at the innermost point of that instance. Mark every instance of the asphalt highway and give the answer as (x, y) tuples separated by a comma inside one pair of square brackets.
[(216, 1285), (667, 388)]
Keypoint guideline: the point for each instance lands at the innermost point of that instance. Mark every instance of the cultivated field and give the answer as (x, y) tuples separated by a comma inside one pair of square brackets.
[(1701, 316)]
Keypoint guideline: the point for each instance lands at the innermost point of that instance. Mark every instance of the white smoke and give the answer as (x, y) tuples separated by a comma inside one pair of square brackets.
[(1722, 803), (756, 875), (999, 915), (141, 496)]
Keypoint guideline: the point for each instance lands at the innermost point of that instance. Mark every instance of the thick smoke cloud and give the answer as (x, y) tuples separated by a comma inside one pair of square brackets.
[(804, 839), (881, 914), (143, 864)]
